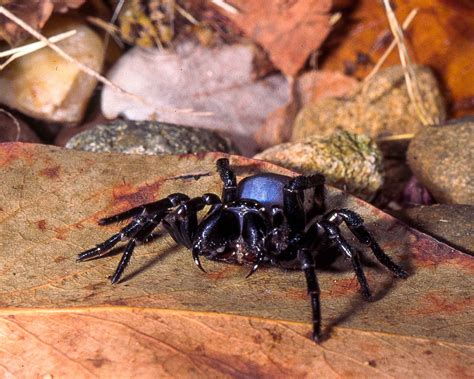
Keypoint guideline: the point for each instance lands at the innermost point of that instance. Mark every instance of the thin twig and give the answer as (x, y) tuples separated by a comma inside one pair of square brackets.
[(18, 52), (227, 7), (37, 45), (90, 71), (396, 137), (410, 77), (188, 16), (114, 17), (110, 30), (385, 55), (334, 19), (15, 121)]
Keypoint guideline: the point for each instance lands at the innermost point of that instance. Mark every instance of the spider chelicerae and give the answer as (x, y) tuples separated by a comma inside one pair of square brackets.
[(264, 219)]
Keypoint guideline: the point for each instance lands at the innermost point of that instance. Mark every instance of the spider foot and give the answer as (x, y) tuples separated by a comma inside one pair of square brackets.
[(316, 337), (399, 272), (100, 249), (355, 224)]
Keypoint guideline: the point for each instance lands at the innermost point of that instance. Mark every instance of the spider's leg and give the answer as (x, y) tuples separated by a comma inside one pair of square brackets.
[(187, 216), (140, 235), (341, 244), (355, 223), (156, 206), (298, 209), (307, 265), (105, 246), (182, 224), (253, 234), (219, 228), (229, 193)]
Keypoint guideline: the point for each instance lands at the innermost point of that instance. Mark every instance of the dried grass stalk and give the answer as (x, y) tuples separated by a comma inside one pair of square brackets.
[(385, 55), (18, 52), (15, 121), (410, 76), (87, 69)]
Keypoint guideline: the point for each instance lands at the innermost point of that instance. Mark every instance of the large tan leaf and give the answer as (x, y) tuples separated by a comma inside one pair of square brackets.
[(169, 317)]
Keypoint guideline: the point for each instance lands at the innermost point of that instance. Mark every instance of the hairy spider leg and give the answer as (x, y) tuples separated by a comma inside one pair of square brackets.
[(220, 227), (140, 214), (229, 192), (355, 223), (140, 236), (334, 234), (294, 200), (159, 205), (102, 248), (145, 219), (307, 265), (254, 231), (182, 224)]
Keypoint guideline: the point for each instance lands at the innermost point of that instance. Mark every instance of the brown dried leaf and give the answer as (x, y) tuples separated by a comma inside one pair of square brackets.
[(63, 6), (65, 317), (441, 36), (151, 343), (289, 30), (34, 12)]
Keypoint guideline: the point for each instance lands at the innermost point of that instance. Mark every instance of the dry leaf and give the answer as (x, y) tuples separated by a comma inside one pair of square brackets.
[(64, 318), (34, 12), (150, 343), (441, 36), (288, 30), (63, 6)]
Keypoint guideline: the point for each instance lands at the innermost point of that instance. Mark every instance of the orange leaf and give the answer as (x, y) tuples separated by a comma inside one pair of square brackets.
[(441, 36), (34, 12), (288, 30), (64, 318)]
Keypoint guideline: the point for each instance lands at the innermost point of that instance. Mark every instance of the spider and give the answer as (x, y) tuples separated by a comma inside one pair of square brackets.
[(264, 219)]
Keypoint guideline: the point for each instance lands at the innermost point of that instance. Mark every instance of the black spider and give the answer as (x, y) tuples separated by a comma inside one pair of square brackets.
[(266, 218)]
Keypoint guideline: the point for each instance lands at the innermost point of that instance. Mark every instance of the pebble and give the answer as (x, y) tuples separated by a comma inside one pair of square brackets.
[(149, 138), (349, 161), (380, 109), (45, 86), (452, 223), (441, 158), (13, 129), (218, 85), (308, 88)]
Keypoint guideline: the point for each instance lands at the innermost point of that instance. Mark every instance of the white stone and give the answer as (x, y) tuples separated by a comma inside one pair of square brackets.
[(220, 81), (46, 86)]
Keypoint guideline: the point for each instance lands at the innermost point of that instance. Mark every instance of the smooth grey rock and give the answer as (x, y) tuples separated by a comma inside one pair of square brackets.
[(150, 138), (442, 157)]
